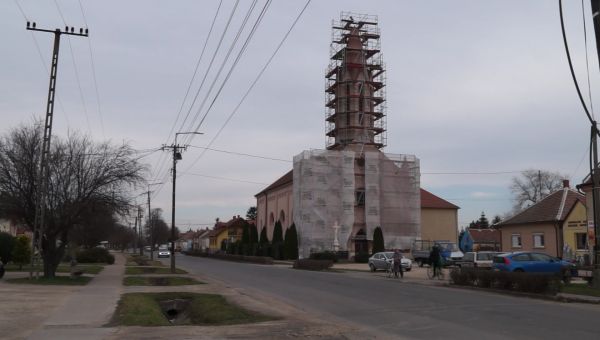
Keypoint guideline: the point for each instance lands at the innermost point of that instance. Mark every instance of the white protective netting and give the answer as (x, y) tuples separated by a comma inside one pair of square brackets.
[(326, 183)]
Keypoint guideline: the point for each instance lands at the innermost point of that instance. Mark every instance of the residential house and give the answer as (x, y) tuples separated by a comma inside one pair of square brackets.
[(201, 240), (546, 226), (7, 226)]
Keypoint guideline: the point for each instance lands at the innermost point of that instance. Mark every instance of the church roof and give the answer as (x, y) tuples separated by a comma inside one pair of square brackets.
[(429, 200), (283, 180)]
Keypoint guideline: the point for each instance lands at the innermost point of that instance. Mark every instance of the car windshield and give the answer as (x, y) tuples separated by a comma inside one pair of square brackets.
[(486, 256), (388, 255)]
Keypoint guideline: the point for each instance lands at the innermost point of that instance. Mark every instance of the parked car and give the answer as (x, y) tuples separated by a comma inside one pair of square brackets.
[(147, 248), (381, 261), (531, 262), (477, 259), (163, 252)]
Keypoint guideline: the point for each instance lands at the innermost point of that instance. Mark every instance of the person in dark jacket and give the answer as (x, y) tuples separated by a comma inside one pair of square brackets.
[(1, 269), (435, 259), (397, 258)]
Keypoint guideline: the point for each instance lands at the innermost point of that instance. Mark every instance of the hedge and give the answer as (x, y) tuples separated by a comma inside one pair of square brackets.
[(326, 255), (230, 257), (95, 255), (310, 264), (523, 282)]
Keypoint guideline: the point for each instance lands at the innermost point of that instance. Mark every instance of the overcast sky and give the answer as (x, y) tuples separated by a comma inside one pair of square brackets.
[(472, 86)]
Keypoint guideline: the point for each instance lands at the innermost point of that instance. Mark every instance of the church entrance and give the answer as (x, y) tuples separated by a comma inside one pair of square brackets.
[(361, 244)]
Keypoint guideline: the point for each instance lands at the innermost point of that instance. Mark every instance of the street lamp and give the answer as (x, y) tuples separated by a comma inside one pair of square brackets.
[(176, 156)]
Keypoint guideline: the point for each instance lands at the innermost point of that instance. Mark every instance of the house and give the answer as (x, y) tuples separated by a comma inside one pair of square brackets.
[(185, 241), (488, 239), (547, 226), (201, 240), (7, 226), (226, 232), (439, 218)]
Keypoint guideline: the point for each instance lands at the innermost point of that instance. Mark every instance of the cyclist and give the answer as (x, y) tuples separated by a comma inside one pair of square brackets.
[(435, 259), (398, 263)]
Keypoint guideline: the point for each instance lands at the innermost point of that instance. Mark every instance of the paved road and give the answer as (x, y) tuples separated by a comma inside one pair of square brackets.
[(397, 309)]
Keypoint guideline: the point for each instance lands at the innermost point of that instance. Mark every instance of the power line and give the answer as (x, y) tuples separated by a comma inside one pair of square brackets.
[(232, 68), (93, 72), (241, 154), (193, 77), (163, 161), (225, 178), (76, 71), (39, 50), (254, 82)]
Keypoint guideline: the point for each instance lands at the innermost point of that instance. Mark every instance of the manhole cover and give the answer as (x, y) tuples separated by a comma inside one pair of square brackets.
[(176, 310)]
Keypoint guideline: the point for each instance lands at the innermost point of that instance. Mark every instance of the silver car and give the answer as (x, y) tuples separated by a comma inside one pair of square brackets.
[(381, 261), (163, 252)]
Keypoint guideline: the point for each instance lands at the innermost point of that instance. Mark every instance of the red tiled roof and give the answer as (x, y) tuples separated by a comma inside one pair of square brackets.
[(485, 235), (429, 200), (283, 180), (552, 208)]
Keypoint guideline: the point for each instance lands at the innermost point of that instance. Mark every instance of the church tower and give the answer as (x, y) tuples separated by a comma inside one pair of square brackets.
[(355, 86)]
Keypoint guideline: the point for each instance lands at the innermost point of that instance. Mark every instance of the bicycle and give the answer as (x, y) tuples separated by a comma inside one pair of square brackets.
[(439, 273), (390, 269)]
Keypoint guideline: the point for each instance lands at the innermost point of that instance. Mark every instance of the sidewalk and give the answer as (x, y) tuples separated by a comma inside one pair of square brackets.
[(84, 313)]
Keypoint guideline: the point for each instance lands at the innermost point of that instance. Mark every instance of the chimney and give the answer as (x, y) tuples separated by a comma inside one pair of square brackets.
[(566, 183)]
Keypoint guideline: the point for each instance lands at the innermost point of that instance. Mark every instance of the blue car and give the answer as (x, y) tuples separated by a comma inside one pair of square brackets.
[(530, 262)]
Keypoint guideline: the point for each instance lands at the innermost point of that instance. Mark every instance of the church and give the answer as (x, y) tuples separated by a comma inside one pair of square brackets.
[(337, 197)]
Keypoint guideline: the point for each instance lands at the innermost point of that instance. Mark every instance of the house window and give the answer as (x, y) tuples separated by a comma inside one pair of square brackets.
[(581, 241), (538, 241), (516, 240)]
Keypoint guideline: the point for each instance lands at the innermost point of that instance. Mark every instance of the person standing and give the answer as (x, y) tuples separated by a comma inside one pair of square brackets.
[(435, 259), (397, 258)]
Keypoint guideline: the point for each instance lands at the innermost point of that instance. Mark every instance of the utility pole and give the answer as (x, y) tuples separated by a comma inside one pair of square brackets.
[(139, 218), (595, 171), (43, 170), (176, 156), (150, 228)]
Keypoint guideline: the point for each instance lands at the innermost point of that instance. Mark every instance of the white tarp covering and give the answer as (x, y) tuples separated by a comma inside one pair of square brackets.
[(326, 186)]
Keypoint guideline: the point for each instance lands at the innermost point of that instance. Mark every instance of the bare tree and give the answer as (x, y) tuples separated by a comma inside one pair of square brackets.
[(533, 185), (82, 174), (157, 231)]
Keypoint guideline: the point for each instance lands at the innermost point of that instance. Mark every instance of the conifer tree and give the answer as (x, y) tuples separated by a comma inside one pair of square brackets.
[(21, 253), (378, 243), (291, 241)]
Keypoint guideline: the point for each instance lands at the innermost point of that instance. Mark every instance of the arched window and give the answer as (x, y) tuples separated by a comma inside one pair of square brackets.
[(271, 219), (282, 217)]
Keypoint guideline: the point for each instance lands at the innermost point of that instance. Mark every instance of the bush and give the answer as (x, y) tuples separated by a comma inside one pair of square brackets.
[(232, 257), (312, 264), (326, 255), (95, 255), (361, 258), (522, 282), (21, 252)]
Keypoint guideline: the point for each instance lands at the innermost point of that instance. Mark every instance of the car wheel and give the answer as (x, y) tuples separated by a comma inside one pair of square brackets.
[(372, 267), (566, 277), (408, 269), (420, 263)]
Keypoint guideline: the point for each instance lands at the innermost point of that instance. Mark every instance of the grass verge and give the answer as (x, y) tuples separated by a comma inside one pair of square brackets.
[(57, 280), (152, 270), (143, 309), (86, 269), (580, 289), (159, 281), (142, 260)]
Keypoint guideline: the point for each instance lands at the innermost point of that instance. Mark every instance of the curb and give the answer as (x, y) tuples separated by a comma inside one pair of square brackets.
[(559, 297)]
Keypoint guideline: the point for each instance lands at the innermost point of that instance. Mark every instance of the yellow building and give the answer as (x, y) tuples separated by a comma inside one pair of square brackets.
[(575, 234)]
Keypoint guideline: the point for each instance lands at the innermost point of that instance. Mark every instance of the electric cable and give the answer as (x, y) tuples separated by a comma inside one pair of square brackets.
[(562, 26), (76, 71), (254, 82), (89, 40), (587, 63)]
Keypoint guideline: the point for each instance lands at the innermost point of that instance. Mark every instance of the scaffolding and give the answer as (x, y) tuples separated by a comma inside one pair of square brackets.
[(357, 194), (355, 109)]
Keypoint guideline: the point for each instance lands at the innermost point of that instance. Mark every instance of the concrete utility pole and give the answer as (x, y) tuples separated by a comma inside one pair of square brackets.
[(595, 171), (139, 218), (43, 171), (176, 156)]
